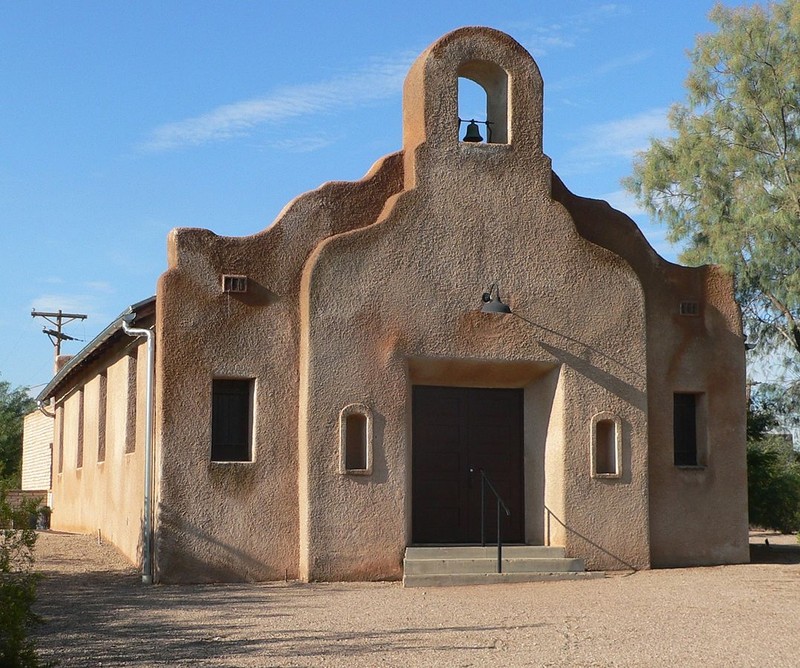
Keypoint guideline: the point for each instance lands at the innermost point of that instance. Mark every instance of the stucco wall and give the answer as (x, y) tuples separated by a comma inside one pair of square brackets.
[(414, 279), (698, 515), (218, 521), (361, 290), (104, 496)]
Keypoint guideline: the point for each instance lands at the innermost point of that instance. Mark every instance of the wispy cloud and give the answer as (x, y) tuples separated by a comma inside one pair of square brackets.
[(303, 144), (623, 201), (543, 39), (578, 80), (621, 138), (86, 304), (596, 15), (549, 38), (624, 61), (379, 79), (100, 286), (89, 299)]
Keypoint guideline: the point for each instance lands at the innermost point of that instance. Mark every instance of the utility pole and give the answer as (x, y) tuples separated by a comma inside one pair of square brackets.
[(58, 320)]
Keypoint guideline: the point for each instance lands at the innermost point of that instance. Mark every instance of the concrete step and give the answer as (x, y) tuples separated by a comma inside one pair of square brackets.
[(476, 551), (433, 566), (489, 565), (469, 579)]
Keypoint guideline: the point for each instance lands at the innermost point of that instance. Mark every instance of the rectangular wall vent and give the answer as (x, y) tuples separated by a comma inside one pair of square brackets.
[(690, 308), (234, 283)]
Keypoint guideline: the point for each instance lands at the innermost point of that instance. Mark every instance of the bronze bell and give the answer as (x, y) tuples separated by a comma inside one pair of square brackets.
[(473, 133)]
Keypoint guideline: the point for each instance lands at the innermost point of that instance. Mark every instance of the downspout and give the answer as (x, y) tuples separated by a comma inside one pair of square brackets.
[(43, 410), (147, 542)]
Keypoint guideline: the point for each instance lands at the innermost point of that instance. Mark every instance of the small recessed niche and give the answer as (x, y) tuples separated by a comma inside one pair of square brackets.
[(355, 440), (606, 439), (234, 283)]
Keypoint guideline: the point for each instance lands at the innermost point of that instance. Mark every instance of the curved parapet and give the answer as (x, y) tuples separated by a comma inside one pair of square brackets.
[(695, 350), (228, 309)]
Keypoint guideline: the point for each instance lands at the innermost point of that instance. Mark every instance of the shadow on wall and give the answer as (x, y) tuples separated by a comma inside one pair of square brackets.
[(552, 517), (256, 294), (585, 345), (614, 384), (211, 560)]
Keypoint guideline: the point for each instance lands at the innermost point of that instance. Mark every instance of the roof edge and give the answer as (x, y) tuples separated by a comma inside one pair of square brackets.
[(95, 345)]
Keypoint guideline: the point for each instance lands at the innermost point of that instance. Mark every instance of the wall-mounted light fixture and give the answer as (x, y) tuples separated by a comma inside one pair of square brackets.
[(473, 133), (493, 304)]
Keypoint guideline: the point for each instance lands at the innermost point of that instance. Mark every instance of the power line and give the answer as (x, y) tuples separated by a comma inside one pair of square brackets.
[(58, 319)]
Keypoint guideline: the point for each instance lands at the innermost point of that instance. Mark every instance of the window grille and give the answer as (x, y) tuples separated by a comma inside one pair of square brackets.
[(231, 420), (234, 283), (690, 308)]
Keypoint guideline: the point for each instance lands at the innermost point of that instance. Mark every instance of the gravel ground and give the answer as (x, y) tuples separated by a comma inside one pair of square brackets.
[(97, 613)]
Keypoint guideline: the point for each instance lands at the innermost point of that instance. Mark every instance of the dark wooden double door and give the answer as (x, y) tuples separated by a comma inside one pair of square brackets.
[(456, 432)]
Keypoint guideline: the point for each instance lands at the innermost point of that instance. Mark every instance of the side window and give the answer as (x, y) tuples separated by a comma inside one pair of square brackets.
[(81, 418), (686, 435), (131, 416), (102, 406), (231, 420), (355, 440), (606, 446), (60, 436)]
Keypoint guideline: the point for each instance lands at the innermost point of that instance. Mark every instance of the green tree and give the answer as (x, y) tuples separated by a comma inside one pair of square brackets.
[(727, 183), (14, 405), (773, 485), (762, 416), (17, 585), (773, 470)]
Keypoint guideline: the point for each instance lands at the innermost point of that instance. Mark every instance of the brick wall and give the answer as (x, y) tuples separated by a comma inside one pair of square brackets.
[(16, 496)]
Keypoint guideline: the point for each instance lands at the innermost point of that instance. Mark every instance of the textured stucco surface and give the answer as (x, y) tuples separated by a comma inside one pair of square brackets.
[(475, 213), (359, 291), (697, 515), (218, 521), (103, 496)]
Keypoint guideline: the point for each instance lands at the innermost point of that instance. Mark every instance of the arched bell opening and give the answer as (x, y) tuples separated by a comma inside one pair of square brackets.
[(483, 103)]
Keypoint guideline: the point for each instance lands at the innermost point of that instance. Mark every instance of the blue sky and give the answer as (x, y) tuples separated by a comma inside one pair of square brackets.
[(122, 120)]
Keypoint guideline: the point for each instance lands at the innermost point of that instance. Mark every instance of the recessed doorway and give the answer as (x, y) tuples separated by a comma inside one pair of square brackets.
[(456, 432)]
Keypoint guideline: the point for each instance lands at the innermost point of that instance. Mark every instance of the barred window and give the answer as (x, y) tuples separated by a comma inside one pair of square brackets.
[(231, 420)]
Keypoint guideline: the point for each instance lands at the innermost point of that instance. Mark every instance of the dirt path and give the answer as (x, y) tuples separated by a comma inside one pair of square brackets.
[(99, 614)]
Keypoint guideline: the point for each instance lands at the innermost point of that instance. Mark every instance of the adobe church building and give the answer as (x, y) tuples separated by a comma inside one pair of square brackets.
[(327, 392)]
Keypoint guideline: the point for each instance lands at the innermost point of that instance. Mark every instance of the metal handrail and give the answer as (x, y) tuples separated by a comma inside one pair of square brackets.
[(500, 504)]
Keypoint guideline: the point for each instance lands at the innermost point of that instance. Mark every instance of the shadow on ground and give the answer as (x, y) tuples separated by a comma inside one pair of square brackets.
[(108, 618), (774, 554)]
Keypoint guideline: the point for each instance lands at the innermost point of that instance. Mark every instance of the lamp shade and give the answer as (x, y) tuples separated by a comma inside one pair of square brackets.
[(495, 306)]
